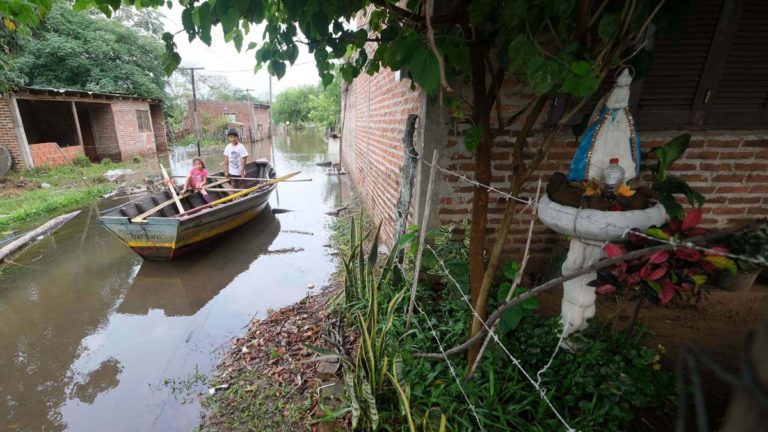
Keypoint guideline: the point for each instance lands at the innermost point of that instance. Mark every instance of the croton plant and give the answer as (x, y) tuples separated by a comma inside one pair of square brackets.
[(663, 275)]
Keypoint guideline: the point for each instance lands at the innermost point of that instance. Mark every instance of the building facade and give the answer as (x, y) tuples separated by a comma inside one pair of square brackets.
[(717, 93), (252, 119), (47, 127)]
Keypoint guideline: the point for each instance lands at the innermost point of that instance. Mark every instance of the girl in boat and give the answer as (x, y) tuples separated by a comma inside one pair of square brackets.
[(197, 178)]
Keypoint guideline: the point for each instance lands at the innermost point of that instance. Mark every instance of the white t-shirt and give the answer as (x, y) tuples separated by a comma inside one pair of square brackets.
[(235, 153)]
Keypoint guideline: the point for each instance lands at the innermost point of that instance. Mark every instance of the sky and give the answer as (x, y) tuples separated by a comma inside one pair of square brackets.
[(222, 59)]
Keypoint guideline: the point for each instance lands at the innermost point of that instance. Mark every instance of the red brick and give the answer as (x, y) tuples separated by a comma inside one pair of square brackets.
[(709, 166), (744, 200), (756, 166), (736, 155), (757, 211), (729, 210), (763, 188), (723, 143), (735, 189), (702, 155), (727, 178), (759, 143)]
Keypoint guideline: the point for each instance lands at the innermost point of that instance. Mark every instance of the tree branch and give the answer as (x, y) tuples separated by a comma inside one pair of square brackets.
[(499, 312)]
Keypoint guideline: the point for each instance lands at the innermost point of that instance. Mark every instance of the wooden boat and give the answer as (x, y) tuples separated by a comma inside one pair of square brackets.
[(155, 228)]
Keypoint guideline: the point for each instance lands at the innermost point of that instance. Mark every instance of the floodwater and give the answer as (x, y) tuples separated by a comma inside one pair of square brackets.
[(92, 338)]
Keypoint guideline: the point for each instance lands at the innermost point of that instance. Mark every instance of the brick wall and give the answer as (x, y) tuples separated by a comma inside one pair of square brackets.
[(730, 168), (104, 131), (50, 154), (261, 116), (132, 141), (158, 126), (245, 113), (8, 136), (48, 121), (373, 126)]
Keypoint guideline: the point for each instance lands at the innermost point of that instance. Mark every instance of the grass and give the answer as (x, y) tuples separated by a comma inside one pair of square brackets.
[(253, 402), (71, 187)]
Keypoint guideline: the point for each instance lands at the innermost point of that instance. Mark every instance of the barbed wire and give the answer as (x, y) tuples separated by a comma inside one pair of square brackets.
[(541, 390), (450, 365), (762, 261)]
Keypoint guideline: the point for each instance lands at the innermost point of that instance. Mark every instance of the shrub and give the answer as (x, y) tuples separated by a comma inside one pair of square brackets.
[(81, 161)]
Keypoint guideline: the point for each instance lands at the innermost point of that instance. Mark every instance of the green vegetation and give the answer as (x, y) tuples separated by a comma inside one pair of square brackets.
[(74, 50), (23, 202), (306, 104), (608, 383)]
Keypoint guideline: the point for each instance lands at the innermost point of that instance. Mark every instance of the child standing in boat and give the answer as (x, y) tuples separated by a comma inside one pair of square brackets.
[(197, 178), (235, 156)]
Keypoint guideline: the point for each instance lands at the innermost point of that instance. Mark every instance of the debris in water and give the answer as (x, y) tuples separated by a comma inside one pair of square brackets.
[(213, 390)]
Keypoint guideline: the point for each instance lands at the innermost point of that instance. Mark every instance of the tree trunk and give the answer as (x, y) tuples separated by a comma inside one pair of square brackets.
[(481, 115)]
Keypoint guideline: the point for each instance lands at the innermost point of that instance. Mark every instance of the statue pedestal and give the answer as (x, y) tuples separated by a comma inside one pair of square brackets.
[(589, 230)]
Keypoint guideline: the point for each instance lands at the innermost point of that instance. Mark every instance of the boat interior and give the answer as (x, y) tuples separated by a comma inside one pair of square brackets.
[(162, 204)]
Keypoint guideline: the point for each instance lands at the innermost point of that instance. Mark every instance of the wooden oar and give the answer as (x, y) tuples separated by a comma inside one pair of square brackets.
[(141, 218), (241, 193), (172, 188)]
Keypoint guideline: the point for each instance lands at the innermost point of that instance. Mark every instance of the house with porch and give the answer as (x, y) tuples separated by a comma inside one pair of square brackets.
[(711, 81), (49, 127)]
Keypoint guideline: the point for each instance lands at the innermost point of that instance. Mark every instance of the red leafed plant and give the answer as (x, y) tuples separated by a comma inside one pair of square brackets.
[(663, 275)]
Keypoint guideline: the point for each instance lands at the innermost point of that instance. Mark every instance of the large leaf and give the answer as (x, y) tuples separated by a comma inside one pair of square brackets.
[(581, 80), (425, 70), (676, 148)]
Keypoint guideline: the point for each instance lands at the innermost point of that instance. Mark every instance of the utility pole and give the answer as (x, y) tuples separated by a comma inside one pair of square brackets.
[(194, 107), (248, 92)]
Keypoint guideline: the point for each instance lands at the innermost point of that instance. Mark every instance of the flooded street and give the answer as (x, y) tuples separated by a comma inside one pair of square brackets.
[(93, 338)]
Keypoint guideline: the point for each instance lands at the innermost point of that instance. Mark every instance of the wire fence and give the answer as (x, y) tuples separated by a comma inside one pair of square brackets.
[(530, 203)]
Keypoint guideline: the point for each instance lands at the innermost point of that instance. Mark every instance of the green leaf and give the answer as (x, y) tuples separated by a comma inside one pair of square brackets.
[(252, 45), (676, 147), (401, 50), (204, 28), (472, 137), (511, 268), (188, 24), (722, 263), (609, 27), (657, 233), (293, 53), (277, 68), (654, 285), (544, 74), (521, 51), (581, 81), (424, 69), (480, 11)]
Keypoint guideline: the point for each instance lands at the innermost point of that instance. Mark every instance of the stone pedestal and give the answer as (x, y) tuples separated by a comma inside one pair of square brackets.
[(589, 230)]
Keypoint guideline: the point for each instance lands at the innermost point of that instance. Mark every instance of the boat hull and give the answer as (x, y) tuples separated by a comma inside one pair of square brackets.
[(161, 238)]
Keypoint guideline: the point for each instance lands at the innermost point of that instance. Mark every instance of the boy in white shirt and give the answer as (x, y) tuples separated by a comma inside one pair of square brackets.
[(235, 156)]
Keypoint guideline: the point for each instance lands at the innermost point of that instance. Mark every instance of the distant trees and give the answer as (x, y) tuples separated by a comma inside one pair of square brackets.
[(77, 51), (309, 104)]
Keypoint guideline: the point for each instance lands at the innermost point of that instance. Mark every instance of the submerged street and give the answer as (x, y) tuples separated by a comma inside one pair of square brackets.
[(94, 338)]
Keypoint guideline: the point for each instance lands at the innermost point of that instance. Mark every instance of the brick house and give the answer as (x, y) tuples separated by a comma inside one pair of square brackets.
[(251, 119), (45, 127), (711, 81)]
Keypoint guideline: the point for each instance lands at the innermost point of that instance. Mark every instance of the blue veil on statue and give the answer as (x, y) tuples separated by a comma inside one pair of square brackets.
[(611, 134)]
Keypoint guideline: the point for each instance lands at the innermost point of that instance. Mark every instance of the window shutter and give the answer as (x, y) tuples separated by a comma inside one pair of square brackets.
[(740, 96), (670, 89)]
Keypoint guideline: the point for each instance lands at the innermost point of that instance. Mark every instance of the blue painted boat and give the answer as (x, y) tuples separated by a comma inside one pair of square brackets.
[(156, 230)]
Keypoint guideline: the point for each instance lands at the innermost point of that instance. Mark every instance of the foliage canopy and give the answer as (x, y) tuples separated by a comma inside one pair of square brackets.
[(75, 51)]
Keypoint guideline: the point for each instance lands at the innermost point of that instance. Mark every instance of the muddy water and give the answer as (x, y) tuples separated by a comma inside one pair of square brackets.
[(92, 338)]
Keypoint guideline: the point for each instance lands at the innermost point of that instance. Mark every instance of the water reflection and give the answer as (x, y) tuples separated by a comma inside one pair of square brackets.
[(183, 287), (47, 307), (90, 333)]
